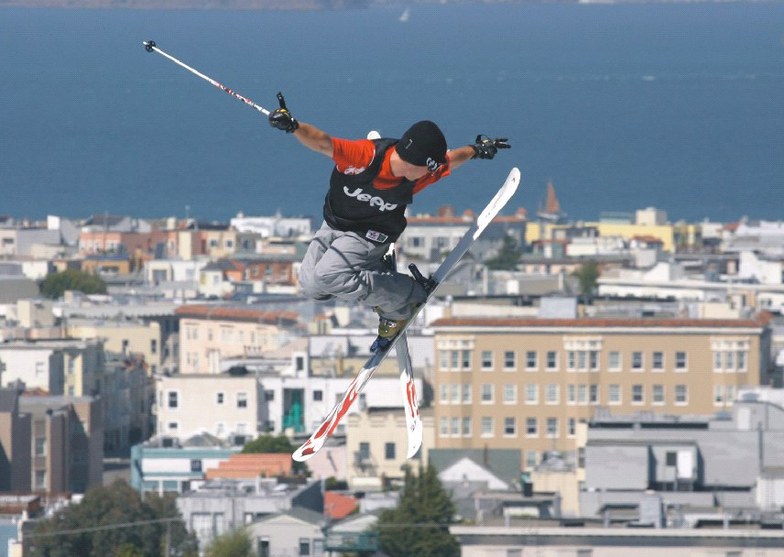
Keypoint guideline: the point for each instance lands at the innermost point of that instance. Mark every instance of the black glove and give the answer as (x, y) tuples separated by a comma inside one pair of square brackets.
[(486, 148), (281, 118)]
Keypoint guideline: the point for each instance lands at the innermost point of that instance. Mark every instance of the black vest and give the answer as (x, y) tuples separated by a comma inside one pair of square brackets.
[(354, 205)]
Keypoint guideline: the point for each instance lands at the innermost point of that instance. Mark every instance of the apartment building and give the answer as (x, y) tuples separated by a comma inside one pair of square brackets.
[(123, 337), (66, 442), (210, 333), (70, 367), (14, 444), (377, 443), (226, 406), (429, 237), (526, 383)]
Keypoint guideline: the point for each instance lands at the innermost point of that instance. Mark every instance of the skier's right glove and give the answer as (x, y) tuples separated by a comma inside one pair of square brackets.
[(486, 148), (281, 118)]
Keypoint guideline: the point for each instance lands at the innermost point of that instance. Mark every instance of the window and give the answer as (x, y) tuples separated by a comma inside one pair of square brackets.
[(509, 361), (593, 360), (532, 393), (582, 394), (593, 394), (571, 427), (681, 395), (304, 547), (487, 360), (443, 427), (571, 394), (614, 361), (741, 361), (657, 394), (531, 360), (466, 393), (487, 393), (637, 394), (196, 465), (454, 391), (552, 427), (454, 360), (173, 399), (455, 431), (364, 450), (531, 427), (718, 394), (510, 394), (218, 398), (637, 361), (510, 426), (40, 446), (657, 362), (681, 361), (153, 346), (242, 400), (552, 393), (269, 396), (389, 451), (614, 394), (552, 360), (318, 395), (467, 426), (487, 426)]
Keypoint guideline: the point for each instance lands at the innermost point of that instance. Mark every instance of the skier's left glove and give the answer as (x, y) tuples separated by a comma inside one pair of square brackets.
[(281, 118), (486, 148)]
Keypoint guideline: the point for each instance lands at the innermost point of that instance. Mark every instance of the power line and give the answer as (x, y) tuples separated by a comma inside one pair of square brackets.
[(116, 526)]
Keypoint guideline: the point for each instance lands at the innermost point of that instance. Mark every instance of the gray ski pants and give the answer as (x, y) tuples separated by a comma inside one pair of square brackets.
[(346, 266)]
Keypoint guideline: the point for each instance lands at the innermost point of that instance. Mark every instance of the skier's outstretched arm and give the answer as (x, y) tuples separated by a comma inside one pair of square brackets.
[(483, 148), (307, 134)]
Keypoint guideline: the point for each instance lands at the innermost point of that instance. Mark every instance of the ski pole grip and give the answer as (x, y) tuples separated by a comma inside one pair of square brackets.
[(282, 101)]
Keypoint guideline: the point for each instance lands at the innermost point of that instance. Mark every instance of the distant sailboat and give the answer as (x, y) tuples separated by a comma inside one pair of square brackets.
[(405, 15), (551, 211)]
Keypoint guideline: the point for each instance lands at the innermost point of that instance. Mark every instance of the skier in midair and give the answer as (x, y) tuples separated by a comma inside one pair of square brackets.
[(364, 211)]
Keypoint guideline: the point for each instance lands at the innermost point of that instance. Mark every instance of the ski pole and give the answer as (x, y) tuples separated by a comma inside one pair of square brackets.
[(150, 46)]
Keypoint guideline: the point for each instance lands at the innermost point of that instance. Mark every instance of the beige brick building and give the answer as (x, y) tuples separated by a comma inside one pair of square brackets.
[(527, 383), (209, 334)]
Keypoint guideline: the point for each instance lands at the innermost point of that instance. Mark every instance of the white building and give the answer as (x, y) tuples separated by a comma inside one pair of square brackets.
[(761, 268), (274, 226), (226, 406)]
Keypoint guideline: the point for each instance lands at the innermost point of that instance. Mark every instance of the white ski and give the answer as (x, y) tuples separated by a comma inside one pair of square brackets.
[(410, 404), (407, 385), (332, 420)]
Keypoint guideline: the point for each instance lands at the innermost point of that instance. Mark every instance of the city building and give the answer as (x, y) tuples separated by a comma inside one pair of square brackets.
[(230, 407), (377, 445), (123, 336), (66, 442), (166, 464), (220, 506), (297, 531), (210, 333), (527, 383), (15, 443)]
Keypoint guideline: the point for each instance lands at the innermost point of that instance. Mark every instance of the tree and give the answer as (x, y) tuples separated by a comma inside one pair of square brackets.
[(507, 257), (236, 543), (55, 284), (269, 444), (587, 275), (419, 525), (110, 521)]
